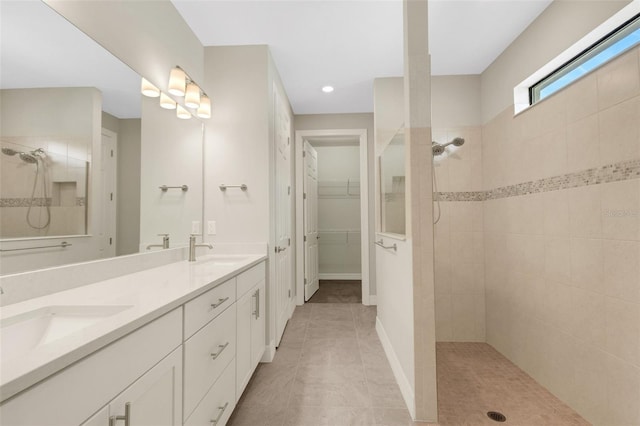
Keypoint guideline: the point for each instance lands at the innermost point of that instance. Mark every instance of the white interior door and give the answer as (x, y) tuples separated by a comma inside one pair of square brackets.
[(108, 173), (310, 202), (283, 217)]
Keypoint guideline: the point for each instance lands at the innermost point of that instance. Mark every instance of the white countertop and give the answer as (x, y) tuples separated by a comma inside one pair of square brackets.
[(150, 294)]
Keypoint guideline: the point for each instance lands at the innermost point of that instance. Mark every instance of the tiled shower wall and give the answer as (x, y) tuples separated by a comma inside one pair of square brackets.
[(562, 256), (459, 238)]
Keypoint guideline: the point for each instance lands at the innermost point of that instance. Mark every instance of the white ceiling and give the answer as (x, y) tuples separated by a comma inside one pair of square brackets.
[(348, 43)]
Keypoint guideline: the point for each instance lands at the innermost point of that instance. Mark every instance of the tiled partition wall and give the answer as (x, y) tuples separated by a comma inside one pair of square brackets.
[(459, 240), (562, 241)]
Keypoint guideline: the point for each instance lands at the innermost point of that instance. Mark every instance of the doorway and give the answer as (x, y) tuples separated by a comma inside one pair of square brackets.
[(332, 221)]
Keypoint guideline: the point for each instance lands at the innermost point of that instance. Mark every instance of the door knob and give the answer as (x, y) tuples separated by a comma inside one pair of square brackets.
[(279, 249)]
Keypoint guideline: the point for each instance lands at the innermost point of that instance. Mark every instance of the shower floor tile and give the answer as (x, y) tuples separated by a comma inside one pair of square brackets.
[(331, 370)]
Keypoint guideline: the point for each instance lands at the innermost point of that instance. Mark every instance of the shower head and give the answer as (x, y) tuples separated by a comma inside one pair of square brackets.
[(438, 149), (28, 158), (9, 151)]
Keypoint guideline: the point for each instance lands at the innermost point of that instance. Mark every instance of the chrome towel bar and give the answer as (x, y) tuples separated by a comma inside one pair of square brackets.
[(224, 187), (165, 188), (380, 243), (63, 244)]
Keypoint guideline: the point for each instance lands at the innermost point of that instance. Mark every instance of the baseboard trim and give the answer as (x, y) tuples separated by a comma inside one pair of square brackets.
[(404, 384), (269, 352), (340, 276)]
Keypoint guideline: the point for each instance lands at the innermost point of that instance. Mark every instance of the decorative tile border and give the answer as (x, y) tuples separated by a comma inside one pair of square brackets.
[(38, 202), (625, 170)]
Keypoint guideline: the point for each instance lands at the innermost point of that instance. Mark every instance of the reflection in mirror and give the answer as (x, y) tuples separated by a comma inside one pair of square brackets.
[(392, 186), (67, 108)]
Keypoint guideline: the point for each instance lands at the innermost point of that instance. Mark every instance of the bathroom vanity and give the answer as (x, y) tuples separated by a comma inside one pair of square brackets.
[(171, 345)]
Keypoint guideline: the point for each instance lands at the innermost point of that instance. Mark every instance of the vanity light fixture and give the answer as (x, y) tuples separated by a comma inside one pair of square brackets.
[(204, 110), (327, 89), (149, 89), (183, 113), (177, 81), (166, 102), (192, 96)]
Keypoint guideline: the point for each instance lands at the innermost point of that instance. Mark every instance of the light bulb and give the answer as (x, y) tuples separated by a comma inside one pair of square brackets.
[(183, 113), (177, 81), (166, 102), (192, 97), (204, 110), (149, 89), (327, 89)]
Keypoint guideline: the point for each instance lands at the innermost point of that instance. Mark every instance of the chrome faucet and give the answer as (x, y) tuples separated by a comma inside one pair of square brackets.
[(193, 245), (165, 242)]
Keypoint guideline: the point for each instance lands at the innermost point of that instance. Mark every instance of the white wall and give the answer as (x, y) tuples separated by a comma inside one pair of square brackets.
[(171, 152), (80, 123), (351, 121), (455, 101)]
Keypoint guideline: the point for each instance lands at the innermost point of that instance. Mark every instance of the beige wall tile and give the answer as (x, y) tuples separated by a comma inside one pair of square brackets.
[(556, 213), (444, 325), (464, 318), (557, 265), (623, 391), (588, 311), (623, 330), (620, 132), (622, 269), (586, 264), (582, 98), (583, 145), (618, 81), (621, 210), (590, 378), (584, 211)]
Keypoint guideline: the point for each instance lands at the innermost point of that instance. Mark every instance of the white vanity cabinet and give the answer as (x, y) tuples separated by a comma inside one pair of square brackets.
[(251, 325), (187, 367), (139, 367), (154, 399)]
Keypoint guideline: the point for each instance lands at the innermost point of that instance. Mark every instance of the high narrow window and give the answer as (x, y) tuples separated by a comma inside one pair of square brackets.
[(615, 43)]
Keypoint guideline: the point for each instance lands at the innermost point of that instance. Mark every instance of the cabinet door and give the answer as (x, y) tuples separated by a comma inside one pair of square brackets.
[(101, 418), (155, 399), (258, 325), (244, 308)]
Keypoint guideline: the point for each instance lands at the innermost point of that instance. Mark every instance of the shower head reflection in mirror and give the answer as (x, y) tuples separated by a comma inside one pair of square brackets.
[(43, 191)]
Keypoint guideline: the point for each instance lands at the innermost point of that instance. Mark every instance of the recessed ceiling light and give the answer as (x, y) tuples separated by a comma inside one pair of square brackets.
[(327, 89)]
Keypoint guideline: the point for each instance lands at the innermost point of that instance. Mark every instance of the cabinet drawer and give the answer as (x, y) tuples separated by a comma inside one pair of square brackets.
[(248, 279), (207, 306), (218, 403), (201, 367)]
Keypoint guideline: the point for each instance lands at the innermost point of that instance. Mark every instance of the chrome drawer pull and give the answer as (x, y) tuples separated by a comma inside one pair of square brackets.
[(224, 407), (222, 348), (126, 417), (220, 302), (256, 296)]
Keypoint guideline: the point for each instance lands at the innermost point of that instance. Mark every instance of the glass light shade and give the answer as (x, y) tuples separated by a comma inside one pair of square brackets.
[(149, 89), (166, 102), (192, 97), (177, 82), (204, 110), (183, 113)]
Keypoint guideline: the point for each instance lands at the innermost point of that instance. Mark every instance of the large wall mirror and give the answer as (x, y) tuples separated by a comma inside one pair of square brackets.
[(392, 186), (72, 135)]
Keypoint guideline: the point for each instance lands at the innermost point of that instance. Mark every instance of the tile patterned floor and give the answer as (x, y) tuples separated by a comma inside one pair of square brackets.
[(338, 291), (331, 370), (474, 378)]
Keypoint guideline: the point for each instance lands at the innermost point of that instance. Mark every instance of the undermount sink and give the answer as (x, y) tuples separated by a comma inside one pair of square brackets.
[(223, 260), (21, 333)]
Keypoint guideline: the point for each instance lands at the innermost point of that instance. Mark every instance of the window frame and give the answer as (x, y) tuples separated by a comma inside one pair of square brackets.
[(610, 39)]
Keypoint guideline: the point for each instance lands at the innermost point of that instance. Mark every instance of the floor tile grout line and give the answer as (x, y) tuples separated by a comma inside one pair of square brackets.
[(364, 370), (295, 374)]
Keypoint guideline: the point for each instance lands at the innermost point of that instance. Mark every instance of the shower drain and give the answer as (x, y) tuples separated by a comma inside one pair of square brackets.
[(496, 417)]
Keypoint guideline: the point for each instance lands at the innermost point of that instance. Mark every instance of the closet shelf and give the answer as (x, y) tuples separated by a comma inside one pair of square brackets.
[(349, 188)]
